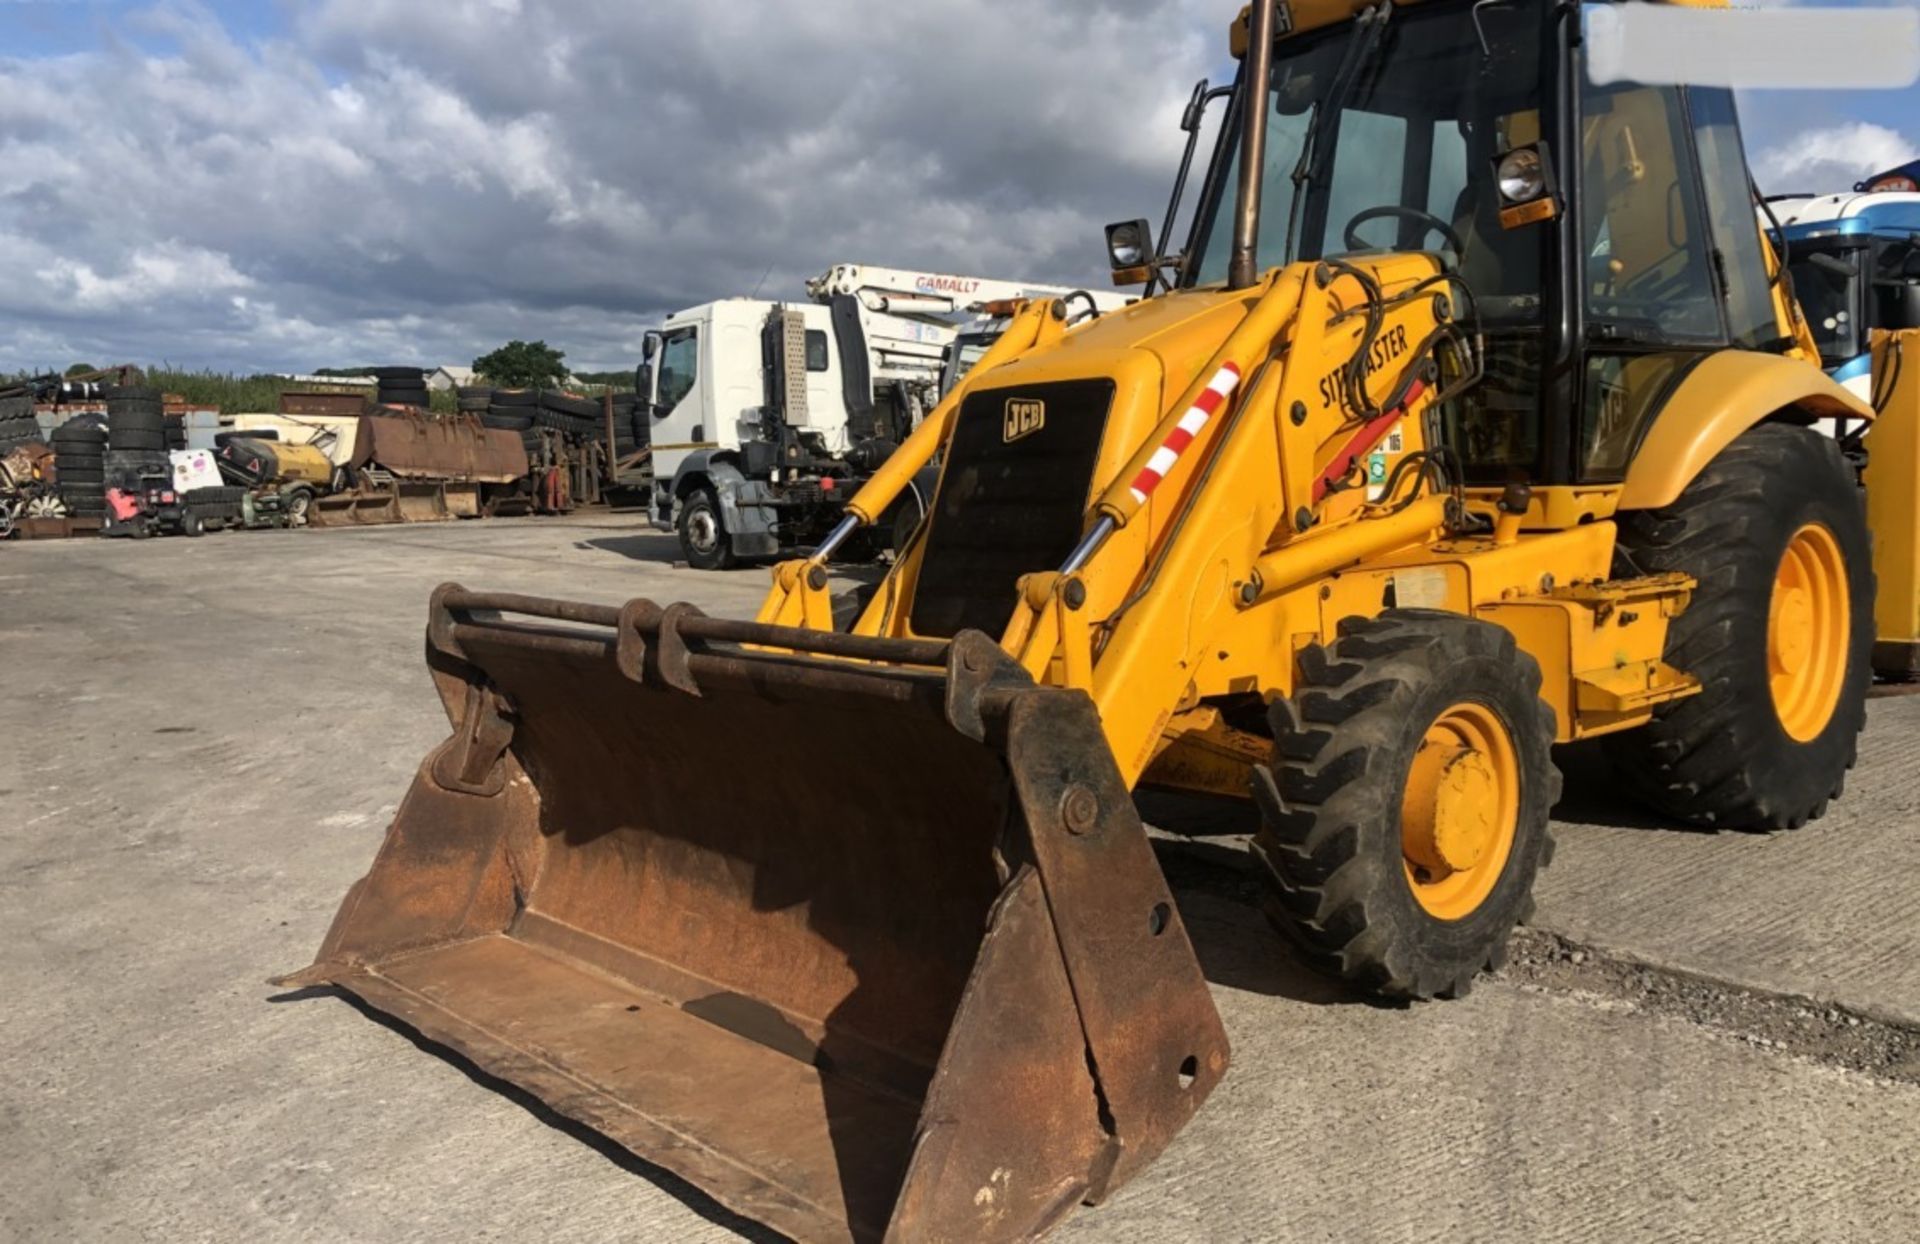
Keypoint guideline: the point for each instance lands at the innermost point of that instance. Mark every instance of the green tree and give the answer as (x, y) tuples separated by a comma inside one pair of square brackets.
[(81, 369), (522, 365)]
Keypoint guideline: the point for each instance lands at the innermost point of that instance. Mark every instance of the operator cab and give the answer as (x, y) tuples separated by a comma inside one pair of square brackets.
[(1606, 233)]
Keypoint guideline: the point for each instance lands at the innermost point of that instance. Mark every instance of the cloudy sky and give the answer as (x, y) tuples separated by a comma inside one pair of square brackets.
[(244, 184)]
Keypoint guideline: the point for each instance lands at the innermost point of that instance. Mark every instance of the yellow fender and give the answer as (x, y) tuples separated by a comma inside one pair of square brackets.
[(1719, 399)]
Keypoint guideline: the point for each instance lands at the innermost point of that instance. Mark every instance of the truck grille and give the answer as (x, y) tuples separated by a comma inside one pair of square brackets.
[(1008, 507)]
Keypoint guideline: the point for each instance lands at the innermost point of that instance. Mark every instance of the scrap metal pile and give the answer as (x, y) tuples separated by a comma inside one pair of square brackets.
[(576, 448), (83, 457)]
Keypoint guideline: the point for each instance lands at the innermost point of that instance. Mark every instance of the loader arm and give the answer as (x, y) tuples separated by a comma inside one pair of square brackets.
[(1245, 490), (798, 596)]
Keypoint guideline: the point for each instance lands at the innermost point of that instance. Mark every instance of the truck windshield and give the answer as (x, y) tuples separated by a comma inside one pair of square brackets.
[(965, 351), (1414, 124)]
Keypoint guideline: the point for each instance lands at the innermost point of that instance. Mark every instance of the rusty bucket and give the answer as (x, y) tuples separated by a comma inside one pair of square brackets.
[(861, 936)]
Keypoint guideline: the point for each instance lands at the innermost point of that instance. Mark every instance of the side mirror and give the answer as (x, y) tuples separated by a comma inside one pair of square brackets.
[(1130, 251), (650, 345), (1196, 108)]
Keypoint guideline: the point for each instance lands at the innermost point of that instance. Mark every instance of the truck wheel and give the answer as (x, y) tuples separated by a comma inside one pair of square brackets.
[(190, 525), (299, 502), (1404, 814), (1780, 635), (703, 532)]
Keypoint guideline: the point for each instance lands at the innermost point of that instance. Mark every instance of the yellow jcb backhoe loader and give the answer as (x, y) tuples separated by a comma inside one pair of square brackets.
[(1473, 417)]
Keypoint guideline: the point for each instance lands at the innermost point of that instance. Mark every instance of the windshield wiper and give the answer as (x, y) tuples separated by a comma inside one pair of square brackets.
[(1360, 49)]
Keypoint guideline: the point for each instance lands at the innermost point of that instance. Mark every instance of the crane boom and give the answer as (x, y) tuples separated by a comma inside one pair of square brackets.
[(905, 291)]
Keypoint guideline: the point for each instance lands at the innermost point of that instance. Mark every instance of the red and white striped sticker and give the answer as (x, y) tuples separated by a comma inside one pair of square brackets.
[(1211, 399)]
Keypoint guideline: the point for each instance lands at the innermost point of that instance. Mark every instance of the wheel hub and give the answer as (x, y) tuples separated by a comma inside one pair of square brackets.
[(1459, 810), (1453, 799), (1808, 632), (702, 532), (1792, 637)]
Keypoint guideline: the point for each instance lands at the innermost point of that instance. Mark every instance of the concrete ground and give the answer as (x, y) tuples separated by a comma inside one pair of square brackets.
[(1705, 1036)]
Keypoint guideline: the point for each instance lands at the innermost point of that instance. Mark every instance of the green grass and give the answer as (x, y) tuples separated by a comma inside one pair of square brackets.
[(230, 394)]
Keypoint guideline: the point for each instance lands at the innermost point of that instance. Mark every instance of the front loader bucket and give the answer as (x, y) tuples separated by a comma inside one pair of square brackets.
[(401, 501), (867, 944), (354, 509)]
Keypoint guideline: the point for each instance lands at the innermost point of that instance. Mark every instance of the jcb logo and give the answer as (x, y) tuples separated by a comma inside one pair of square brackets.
[(1024, 417)]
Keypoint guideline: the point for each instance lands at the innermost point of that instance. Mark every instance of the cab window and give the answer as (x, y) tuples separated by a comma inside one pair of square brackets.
[(1649, 272), (1653, 299), (679, 366), (1752, 322)]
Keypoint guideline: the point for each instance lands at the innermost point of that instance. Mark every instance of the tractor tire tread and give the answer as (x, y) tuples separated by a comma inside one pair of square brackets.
[(1328, 850), (1719, 759)]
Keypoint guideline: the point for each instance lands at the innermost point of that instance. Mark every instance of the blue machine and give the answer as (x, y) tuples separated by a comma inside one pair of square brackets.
[(1855, 261)]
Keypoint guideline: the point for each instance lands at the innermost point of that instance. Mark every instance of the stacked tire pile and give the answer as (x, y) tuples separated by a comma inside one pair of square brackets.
[(17, 424), (514, 409), (401, 386), (473, 399), (579, 417), (632, 429), (136, 437), (79, 465), (521, 410)]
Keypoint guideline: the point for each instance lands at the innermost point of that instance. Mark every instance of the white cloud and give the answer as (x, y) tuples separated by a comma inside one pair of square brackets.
[(394, 181), (149, 278), (1831, 157)]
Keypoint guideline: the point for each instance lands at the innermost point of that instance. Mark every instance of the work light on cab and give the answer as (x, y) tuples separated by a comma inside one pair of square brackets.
[(1130, 250), (1525, 179)]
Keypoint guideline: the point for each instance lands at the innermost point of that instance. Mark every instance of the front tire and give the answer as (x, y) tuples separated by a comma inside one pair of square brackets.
[(703, 532), (1780, 635), (1404, 815)]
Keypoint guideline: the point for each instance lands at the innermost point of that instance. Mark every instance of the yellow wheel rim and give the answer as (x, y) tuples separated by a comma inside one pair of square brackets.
[(1460, 811), (1808, 628)]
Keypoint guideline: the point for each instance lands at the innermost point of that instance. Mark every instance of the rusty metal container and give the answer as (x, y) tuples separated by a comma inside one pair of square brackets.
[(460, 449), (861, 936)]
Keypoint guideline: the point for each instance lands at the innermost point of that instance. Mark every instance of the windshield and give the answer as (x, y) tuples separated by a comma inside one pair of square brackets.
[(1419, 124), (965, 351), (1830, 298)]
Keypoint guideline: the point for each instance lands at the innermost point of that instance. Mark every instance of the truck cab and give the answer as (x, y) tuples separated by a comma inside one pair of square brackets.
[(764, 415), (1855, 260), (709, 385)]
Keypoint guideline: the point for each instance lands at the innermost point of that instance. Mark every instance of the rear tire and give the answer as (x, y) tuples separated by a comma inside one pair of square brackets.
[(703, 532), (1404, 814), (1761, 746)]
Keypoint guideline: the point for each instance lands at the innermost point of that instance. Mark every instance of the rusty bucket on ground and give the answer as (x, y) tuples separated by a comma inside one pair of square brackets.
[(375, 503), (861, 936)]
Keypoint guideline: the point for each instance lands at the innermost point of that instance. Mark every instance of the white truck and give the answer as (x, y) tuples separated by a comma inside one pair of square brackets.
[(764, 417)]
